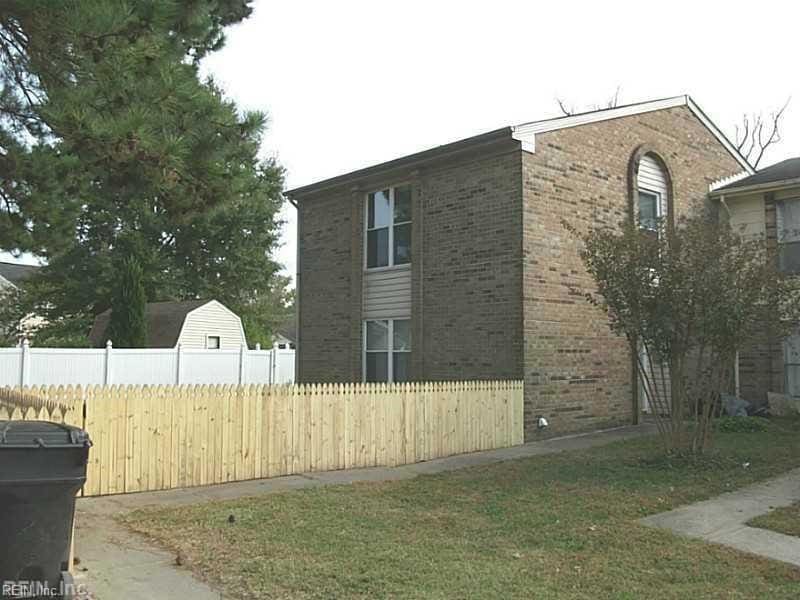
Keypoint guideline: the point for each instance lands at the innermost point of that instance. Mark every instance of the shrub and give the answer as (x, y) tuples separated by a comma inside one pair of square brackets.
[(742, 424)]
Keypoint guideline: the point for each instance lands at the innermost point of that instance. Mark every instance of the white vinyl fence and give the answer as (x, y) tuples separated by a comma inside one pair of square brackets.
[(151, 366)]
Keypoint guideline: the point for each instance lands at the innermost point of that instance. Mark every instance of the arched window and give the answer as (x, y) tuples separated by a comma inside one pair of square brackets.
[(651, 189)]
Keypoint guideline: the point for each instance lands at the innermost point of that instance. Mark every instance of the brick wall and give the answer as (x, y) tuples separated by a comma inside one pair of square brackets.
[(497, 283), (467, 302), (325, 288), (577, 373), (466, 271)]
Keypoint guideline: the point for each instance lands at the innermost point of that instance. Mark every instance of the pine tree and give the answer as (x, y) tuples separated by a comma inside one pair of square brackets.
[(127, 327), (113, 146)]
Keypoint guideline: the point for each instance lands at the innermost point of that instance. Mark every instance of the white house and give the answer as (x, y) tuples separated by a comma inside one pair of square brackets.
[(199, 324)]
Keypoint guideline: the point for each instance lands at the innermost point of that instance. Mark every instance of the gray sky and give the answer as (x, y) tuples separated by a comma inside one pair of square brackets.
[(348, 84)]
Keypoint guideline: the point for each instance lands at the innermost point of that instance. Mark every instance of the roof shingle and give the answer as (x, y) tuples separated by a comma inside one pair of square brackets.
[(164, 323), (782, 171)]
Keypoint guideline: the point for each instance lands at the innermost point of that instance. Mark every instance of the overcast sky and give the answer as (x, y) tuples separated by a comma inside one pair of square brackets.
[(347, 84)]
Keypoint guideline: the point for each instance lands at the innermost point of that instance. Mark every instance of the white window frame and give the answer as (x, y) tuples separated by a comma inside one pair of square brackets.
[(390, 351), (659, 206), (391, 226), (219, 342)]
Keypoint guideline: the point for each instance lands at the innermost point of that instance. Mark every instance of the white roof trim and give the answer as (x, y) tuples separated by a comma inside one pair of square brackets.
[(526, 132), (715, 185), (768, 186)]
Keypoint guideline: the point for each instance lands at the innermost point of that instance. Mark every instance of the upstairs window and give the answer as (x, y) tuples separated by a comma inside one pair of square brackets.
[(652, 185), (213, 342), (787, 219), (649, 210), (389, 227)]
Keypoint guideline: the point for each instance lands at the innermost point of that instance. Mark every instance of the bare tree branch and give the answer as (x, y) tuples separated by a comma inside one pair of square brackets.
[(612, 102), (566, 111), (755, 135), (774, 134)]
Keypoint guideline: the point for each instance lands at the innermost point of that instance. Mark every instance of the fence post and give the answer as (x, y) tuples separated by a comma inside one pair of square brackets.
[(242, 350), (178, 361), (107, 367), (24, 363), (273, 363)]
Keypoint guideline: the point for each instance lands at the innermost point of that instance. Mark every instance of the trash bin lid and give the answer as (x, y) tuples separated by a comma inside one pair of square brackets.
[(41, 434)]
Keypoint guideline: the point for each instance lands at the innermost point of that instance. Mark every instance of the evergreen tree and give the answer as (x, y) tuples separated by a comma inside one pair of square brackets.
[(112, 146), (127, 327)]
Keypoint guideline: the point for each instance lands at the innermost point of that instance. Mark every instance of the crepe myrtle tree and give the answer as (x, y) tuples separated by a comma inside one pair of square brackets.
[(687, 298)]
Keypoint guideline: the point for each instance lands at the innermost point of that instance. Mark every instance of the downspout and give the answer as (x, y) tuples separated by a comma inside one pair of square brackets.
[(296, 291)]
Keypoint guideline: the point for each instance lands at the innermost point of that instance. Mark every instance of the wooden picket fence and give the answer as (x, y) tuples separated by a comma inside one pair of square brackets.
[(164, 437)]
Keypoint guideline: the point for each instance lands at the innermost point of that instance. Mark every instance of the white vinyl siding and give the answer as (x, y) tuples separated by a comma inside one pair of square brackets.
[(212, 319), (651, 178), (746, 215), (387, 293)]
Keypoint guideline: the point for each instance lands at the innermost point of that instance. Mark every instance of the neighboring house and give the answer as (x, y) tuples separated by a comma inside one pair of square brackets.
[(454, 263), (192, 324), (285, 335), (767, 205), (13, 275)]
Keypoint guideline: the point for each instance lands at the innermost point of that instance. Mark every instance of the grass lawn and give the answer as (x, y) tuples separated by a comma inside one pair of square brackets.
[(560, 526), (783, 520)]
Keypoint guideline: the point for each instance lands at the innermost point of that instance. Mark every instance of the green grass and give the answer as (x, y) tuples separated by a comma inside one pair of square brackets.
[(783, 520), (559, 526)]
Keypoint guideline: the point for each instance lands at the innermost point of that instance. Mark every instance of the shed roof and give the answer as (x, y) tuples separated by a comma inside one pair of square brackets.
[(288, 329), (16, 273), (164, 323)]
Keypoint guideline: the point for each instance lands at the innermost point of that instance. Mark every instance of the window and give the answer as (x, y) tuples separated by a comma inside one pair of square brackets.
[(788, 226), (212, 342), (389, 227), (387, 350), (649, 210)]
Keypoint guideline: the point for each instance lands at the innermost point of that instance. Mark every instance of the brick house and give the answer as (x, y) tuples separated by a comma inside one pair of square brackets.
[(766, 205), (453, 263)]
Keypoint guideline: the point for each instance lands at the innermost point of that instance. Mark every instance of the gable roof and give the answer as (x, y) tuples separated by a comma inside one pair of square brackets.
[(785, 172), (16, 273), (525, 134), (288, 329), (164, 323)]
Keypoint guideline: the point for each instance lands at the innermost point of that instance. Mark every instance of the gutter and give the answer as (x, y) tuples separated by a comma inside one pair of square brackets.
[(757, 187)]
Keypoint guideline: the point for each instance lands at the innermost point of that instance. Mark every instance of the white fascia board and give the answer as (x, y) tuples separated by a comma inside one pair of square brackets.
[(526, 132), (527, 141), (597, 116), (770, 186)]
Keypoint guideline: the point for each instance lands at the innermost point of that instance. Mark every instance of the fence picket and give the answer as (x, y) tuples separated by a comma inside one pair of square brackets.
[(170, 436)]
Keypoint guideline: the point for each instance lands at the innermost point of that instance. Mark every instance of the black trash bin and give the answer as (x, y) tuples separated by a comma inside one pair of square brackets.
[(42, 467)]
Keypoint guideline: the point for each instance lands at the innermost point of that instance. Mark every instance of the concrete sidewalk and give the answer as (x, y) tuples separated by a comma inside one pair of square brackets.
[(722, 519), (116, 563)]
